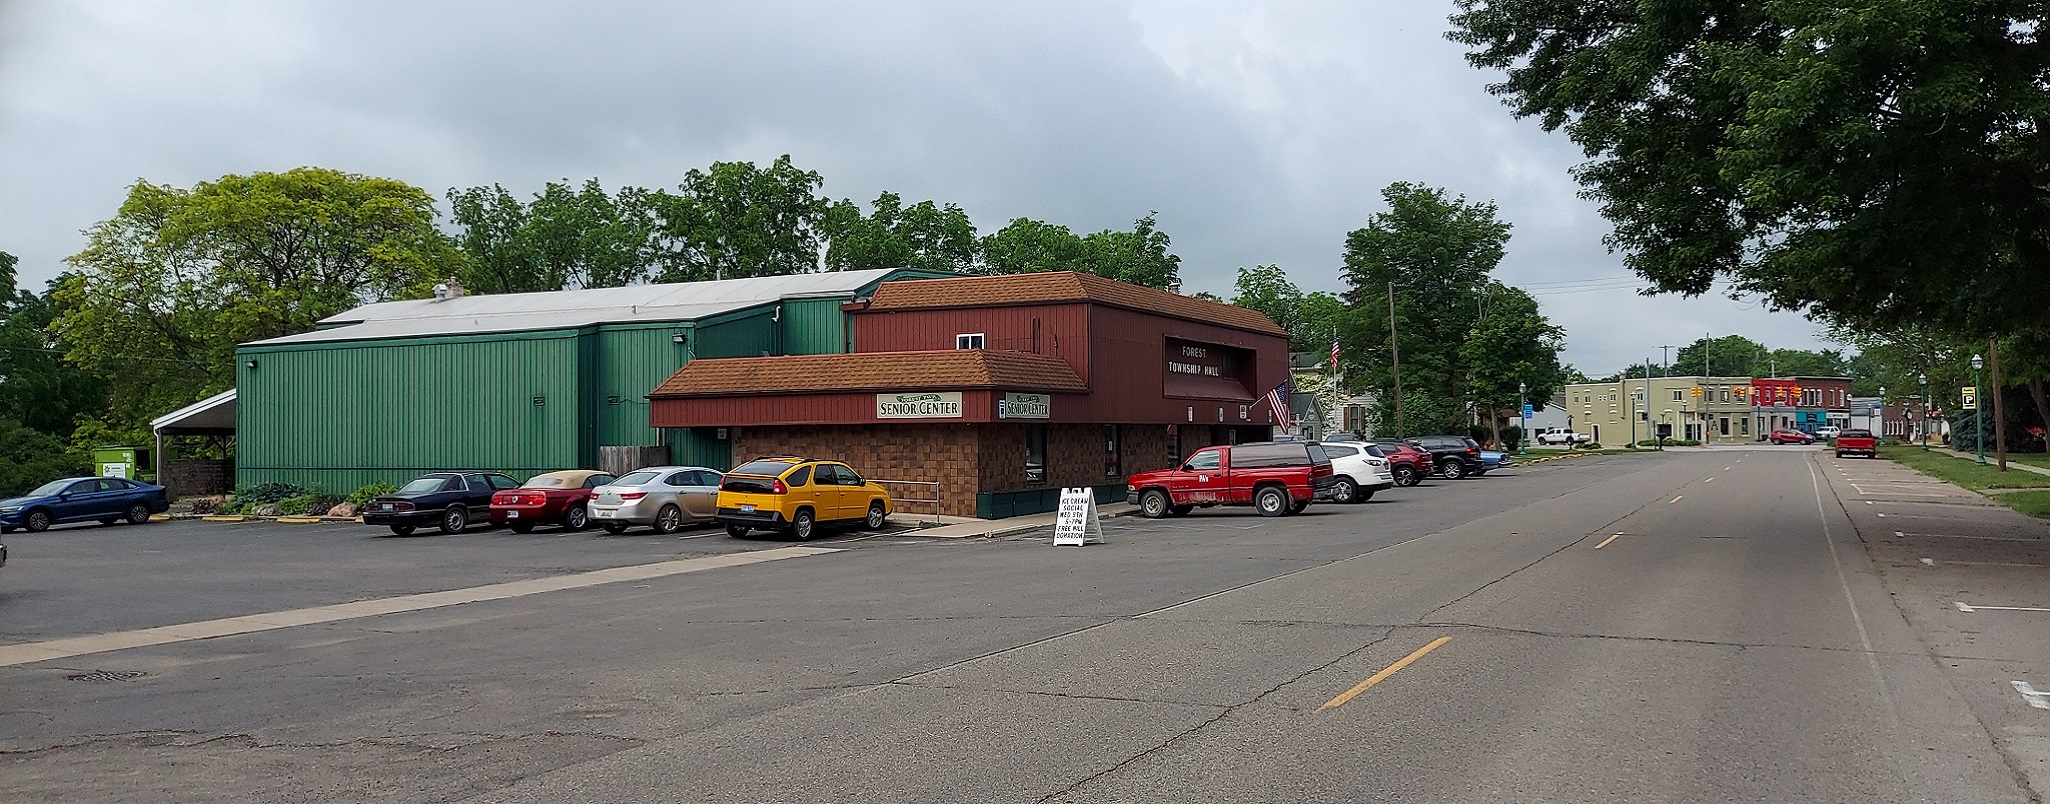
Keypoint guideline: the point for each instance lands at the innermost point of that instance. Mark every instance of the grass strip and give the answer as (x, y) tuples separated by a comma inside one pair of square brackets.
[(1963, 471), (2033, 503)]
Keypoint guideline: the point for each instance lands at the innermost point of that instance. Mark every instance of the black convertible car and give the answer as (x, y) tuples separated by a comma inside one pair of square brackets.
[(448, 499)]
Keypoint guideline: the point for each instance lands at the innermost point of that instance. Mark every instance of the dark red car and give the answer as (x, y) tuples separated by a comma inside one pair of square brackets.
[(556, 498), (1409, 463), (1790, 437)]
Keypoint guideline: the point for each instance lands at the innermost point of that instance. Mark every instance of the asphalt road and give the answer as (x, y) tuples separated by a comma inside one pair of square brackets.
[(1706, 626)]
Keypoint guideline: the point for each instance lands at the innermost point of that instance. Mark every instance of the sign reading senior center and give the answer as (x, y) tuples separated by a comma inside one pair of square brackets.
[(934, 405), (1025, 406)]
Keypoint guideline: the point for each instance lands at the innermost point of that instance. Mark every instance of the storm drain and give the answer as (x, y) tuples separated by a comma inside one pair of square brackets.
[(106, 675)]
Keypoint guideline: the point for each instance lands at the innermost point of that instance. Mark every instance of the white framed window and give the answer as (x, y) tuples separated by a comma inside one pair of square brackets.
[(1677, 395), (969, 340)]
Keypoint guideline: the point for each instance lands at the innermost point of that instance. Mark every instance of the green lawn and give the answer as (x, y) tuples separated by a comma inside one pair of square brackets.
[(1963, 471), (2033, 503)]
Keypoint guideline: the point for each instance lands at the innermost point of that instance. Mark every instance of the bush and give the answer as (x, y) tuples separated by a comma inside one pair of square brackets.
[(267, 493), (310, 503), (360, 496), (1670, 442)]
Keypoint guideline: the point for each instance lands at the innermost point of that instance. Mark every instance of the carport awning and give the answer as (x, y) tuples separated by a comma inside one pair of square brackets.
[(214, 415)]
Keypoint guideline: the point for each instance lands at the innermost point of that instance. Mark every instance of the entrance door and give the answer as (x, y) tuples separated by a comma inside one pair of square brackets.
[(1204, 479)]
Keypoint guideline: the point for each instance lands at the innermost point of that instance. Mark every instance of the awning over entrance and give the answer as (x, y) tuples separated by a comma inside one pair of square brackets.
[(214, 415)]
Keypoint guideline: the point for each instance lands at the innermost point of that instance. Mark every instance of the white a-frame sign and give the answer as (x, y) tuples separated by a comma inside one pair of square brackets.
[(1077, 524)]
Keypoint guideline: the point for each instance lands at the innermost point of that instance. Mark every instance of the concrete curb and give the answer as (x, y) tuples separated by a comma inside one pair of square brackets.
[(993, 528)]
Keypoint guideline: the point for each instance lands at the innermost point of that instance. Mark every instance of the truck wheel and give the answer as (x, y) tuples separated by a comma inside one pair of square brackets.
[(1345, 491), (1271, 501), (1454, 469), (1154, 504)]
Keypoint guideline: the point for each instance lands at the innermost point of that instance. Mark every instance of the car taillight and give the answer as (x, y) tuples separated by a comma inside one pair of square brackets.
[(1472, 451), (505, 499), (632, 495), (402, 506), (777, 487)]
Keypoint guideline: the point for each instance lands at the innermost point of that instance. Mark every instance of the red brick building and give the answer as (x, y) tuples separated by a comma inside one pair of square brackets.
[(1002, 389)]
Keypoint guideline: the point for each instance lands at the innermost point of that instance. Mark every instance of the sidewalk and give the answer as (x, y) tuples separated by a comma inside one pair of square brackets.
[(1989, 461), (954, 527)]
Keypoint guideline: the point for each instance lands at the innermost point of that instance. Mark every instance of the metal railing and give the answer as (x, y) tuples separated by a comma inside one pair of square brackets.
[(934, 502)]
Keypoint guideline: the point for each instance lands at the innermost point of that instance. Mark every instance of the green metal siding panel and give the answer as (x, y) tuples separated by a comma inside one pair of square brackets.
[(749, 335), (814, 327), (630, 362), (699, 446), (400, 409)]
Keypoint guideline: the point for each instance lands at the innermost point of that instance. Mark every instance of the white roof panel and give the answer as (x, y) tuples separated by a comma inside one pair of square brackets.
[(559, 309), (216, 412)]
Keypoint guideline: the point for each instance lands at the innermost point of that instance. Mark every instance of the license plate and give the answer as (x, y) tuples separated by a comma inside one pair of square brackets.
[(512, 515), (384, 506), (747, 509), (603, 514)]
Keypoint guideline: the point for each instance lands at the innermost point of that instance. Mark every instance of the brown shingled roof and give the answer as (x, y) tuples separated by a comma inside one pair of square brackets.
[(1063, 286), (864, 371)]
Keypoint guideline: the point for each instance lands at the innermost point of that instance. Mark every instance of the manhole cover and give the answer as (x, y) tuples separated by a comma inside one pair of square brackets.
[(106, 675)]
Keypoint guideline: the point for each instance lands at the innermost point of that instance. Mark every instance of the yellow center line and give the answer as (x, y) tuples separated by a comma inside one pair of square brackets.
[(1676, 499), (1383, 675), (1605, 542)]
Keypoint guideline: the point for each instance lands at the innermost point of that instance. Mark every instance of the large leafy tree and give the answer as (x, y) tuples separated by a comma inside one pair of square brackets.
[(1139, 256), (38, 388), (1867, 161), (1511, 354), (924, 235), (737, 220), (164, 290), (567, 237), (1310, 318), (1727, 356), (1436, 252)]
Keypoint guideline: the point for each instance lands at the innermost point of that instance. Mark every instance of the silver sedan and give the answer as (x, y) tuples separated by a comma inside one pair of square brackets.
[(665, 497)]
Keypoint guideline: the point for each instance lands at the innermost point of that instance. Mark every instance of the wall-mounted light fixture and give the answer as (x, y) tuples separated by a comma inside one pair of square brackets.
[(540, 400), (679, 339), (250, 364)]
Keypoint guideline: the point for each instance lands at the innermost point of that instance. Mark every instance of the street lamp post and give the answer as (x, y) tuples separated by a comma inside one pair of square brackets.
[(1923, 380), (1523, 414), (1978, 411), (1882, 414)]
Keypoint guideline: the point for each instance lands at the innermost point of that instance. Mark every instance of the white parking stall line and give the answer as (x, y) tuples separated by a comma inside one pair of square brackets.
[(2035, 697), (1967, 608)]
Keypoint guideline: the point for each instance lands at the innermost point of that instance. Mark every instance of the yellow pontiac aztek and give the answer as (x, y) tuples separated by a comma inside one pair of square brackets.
[(796, 496)]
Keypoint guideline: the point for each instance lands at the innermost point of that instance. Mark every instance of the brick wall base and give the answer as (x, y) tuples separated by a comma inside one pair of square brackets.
[(197, 477)]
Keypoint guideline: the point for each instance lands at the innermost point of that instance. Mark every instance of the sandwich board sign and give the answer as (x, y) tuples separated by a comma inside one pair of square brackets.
[(1076, 524)]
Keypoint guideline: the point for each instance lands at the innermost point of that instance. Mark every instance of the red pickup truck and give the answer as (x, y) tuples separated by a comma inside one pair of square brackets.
[(1857, 442), (1275, 477)]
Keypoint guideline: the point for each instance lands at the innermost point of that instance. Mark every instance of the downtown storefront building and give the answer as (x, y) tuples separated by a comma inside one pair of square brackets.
[(999, 391)]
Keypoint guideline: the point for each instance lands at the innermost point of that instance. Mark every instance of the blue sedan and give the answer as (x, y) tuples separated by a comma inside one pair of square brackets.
[(106, 500)]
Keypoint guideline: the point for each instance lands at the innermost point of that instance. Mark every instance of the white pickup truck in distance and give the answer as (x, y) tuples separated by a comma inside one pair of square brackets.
[(1563, 437)]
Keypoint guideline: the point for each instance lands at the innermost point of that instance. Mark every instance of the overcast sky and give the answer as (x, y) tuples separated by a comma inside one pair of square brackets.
[(1260, 136)]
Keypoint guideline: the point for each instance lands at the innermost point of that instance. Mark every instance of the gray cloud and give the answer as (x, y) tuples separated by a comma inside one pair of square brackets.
[(1260, 135)]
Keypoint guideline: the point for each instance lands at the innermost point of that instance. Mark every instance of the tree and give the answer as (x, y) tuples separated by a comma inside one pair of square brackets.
[(38, 388), (1727, 356), (1139, 256), (586, 238), (925, 236), (737, 220), (1512, 354), (494, 227), (1437, 252), (1875, 162), (1266, 288), (165, 289)]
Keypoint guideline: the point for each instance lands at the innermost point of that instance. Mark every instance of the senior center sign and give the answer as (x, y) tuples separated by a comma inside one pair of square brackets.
[(930, 405), (1025, 406)]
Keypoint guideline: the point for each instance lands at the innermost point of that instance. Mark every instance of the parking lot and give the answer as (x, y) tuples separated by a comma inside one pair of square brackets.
[(1712, 616)]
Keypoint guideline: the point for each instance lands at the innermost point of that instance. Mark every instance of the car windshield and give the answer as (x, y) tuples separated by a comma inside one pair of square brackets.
[(425, 485), (50, 488), (764, 468), (543, 482), (637, 479)]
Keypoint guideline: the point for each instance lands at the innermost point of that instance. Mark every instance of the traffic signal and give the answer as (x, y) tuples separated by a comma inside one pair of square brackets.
[(1697, 392)]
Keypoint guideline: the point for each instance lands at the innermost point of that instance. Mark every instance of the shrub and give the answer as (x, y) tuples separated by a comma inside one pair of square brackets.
[(267, 493), (360, 496), (309, 503)]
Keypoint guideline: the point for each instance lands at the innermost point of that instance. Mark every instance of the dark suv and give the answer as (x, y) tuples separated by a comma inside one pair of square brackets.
[(1455, 456)]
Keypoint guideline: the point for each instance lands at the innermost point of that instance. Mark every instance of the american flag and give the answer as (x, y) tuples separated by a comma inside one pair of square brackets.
[(1334, 352), (1277, 401)]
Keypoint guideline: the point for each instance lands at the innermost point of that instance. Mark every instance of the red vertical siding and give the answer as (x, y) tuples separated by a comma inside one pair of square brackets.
[(1063, 330)]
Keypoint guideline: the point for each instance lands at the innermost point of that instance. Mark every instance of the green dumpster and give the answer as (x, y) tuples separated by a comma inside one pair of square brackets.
[(134, 463)]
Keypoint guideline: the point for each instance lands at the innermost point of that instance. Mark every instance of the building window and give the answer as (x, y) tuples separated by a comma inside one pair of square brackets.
[(1726, 394), (969, 340), (1744, 426), (1035, 453), (1174, 445), (1677, 395), (1111, 466), (1722, 426)]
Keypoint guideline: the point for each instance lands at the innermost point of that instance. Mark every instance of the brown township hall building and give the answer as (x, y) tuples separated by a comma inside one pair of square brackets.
[(1003, 389)]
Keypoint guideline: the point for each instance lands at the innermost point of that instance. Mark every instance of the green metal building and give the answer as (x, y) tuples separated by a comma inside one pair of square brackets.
[(522, 383)]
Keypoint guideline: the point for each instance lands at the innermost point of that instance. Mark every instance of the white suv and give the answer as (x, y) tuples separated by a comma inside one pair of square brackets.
[(1358, 472), (1558, 437)]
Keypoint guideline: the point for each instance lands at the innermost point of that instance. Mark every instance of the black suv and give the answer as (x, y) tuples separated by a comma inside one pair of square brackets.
[(1455, 456)]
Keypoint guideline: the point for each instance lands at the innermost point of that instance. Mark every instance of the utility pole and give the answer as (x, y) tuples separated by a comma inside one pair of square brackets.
[(1395, 355), (1999, 420), (1706, 344), (1665, 362)]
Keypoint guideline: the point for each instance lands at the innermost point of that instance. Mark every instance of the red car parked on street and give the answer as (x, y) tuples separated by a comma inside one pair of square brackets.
[(555, 498), (1409, 463), (1790, 437)]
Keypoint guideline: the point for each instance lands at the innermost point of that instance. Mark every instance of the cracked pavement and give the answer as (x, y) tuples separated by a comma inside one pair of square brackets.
[(1766, 638)]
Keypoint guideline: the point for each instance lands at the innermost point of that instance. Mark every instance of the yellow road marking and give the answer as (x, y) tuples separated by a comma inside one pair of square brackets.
[(1383, 675), (1676, 499), (1605, 542)]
